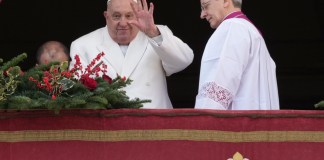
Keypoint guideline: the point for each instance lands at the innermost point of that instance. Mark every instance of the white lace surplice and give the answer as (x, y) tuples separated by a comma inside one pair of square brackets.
[(237, 72)]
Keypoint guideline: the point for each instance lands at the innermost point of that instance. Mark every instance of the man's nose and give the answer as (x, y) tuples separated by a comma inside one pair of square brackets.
[(123, 21), (202, 14)]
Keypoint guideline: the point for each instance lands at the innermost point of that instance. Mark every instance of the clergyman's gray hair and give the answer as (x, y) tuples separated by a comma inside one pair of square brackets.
[(237, 3), (110, 0)]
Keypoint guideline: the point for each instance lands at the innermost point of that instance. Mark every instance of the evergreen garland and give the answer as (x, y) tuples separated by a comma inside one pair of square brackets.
[(9, 72), (54, 87)]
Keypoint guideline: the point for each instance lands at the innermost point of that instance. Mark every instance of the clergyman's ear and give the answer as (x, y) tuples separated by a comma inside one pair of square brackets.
[(105, 14), (227, 3)]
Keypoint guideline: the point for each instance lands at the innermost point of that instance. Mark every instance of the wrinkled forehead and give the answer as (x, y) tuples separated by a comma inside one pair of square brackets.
[(52, 45)]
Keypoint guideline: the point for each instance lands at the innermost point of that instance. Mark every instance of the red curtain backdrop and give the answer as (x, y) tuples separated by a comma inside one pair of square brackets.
[(178, 134)]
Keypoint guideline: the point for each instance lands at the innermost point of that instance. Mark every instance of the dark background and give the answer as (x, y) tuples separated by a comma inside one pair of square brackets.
[(293, 30)]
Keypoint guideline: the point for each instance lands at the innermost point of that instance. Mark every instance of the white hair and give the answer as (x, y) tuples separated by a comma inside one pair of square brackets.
[(110, 0), (237, 3)]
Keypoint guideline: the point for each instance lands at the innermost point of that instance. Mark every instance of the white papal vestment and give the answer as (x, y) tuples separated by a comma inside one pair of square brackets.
[(145, 62)]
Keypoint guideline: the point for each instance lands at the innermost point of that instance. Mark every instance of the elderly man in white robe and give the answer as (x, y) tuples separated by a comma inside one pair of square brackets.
[(137, 48), (237, 72)]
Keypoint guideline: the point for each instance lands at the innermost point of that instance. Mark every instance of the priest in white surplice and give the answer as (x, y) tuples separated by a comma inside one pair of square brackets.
[(237, 72)]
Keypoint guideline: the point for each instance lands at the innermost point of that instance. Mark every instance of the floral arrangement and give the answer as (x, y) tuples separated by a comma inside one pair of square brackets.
[(53, 86)]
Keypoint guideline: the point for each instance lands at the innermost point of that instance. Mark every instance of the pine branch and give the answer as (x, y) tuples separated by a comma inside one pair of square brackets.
[(319, 105), (14, 61)]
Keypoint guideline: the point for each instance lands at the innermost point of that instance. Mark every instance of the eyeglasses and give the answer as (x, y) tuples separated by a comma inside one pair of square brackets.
[(118, 16), (204, 5)]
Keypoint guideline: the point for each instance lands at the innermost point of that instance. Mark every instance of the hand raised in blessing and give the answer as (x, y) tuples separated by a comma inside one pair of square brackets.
[(144, 18)]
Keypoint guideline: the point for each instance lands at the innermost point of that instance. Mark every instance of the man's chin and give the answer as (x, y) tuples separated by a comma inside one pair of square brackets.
[(123, 41), (213, 26)]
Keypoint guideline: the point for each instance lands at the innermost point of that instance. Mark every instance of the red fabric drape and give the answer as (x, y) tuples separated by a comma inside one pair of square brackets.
[(177, 134)]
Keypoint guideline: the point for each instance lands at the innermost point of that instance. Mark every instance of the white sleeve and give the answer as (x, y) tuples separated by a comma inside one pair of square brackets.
[(158, 40), (221, 75), (174, 53)]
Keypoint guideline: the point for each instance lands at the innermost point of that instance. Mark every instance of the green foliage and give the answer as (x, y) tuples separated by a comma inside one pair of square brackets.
[(13, 62), (319, 105), (19, 92), (9, 73)]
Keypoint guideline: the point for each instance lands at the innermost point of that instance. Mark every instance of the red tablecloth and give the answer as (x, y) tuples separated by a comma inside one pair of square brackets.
[(179, 134)]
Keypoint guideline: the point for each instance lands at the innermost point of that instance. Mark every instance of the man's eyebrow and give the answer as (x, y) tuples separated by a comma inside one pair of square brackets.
[(205, 2)]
